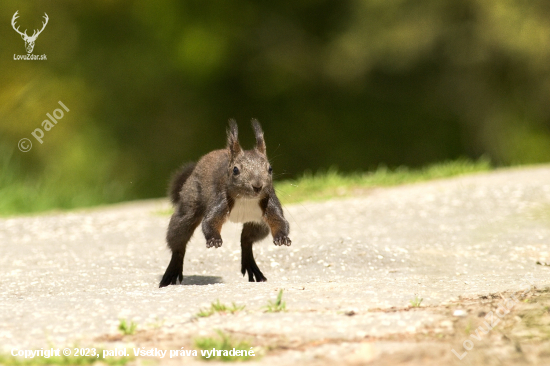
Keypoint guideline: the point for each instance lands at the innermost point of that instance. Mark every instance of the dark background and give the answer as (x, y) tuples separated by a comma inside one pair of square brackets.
[(348, 83)]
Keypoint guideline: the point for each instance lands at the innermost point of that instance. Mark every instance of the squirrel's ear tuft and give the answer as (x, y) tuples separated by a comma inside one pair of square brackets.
[(260, 142), (233, 138)]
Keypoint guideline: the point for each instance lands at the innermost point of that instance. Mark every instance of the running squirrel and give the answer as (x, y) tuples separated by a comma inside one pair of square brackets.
[(230, 184)]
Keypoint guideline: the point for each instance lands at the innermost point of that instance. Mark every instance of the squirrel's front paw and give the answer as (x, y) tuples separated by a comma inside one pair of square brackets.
[(216, 243), (282, 240)]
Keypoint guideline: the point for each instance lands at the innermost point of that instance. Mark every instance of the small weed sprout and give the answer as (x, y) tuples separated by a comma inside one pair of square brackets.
[(468, 327), (415, 303), (277, 305), (217, 307), (127, 328), (158, 323)]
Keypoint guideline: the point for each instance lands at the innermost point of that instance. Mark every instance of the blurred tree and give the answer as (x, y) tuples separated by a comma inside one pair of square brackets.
[(352, 83)]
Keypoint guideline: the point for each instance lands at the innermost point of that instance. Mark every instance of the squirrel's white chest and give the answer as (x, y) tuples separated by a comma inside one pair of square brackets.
[(246, 210)]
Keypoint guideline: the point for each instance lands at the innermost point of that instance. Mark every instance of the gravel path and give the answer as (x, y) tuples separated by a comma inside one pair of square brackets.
[(68, 278)]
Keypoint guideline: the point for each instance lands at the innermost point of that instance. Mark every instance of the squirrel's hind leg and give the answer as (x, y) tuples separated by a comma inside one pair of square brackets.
[(180, 230), (252, 232)]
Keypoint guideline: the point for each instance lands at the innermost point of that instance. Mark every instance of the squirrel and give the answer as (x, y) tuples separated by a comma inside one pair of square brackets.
[(228, 184)]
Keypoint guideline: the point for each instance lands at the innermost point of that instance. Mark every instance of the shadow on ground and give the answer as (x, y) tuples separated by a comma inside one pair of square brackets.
[(199, 280)]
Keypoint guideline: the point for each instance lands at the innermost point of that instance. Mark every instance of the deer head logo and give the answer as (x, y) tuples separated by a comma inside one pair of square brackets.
[(29, 41)]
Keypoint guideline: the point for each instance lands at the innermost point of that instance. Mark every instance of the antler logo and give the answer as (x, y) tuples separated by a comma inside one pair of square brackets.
[(29, 41)]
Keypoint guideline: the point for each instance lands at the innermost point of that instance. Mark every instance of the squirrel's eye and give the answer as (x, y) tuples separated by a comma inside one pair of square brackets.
[(236, 171), (270, 170)]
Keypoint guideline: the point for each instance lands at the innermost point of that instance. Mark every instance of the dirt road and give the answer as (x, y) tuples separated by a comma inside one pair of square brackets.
[(68, 278)]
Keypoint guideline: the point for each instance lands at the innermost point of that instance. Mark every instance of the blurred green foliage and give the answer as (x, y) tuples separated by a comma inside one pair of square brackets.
[(349, 83)]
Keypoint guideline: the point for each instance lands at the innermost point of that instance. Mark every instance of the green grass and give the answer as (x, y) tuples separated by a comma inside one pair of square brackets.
[(223, 342), (217, 307), (415, 303), (276, 306), (21, 193), (127, 328), (330, 184), (24, 193), (9, 360)]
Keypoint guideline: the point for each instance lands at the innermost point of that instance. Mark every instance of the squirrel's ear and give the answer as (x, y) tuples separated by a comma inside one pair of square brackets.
[(233, 138), (260, 142)]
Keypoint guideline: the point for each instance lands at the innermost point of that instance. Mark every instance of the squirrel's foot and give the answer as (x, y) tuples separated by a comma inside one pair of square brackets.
[(173, 273), (282, 240), (216, 243), (171, 279), (254, 273)]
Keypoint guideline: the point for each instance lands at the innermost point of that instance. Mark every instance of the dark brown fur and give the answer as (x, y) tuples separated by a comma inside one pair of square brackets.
[(208, 190)]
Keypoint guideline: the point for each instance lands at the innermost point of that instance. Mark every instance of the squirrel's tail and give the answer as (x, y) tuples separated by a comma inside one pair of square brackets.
[(177, 181)]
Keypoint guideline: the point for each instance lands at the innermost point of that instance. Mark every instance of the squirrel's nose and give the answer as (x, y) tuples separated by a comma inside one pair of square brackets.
[(257, 189)]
